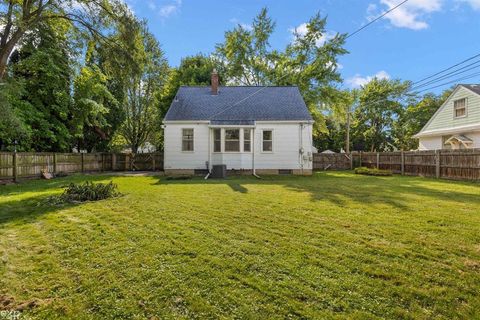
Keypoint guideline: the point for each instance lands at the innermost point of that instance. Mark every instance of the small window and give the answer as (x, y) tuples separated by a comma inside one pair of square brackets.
[(217, 140), (232, 140), (247, 141), (460, 107), (267, 140), (187, 139)]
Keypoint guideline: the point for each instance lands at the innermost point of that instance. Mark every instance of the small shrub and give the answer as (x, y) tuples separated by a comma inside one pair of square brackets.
[(373, 172), (88, 191)]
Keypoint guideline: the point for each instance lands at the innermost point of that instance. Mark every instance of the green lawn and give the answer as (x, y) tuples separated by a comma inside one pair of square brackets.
[(334, 245)]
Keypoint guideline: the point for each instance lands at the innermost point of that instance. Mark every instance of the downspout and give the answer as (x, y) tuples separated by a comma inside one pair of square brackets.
[(301, 150), (253, 154), (209, 153)]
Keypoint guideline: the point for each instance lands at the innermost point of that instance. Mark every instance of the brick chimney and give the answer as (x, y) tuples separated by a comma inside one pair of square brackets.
[(214, 82)]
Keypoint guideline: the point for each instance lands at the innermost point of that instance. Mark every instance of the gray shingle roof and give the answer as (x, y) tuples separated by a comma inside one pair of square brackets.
[(269, 103), (474, 87)]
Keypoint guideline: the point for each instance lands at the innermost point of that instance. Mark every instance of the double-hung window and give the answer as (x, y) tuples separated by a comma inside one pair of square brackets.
[(247, 140), (187, 140), (267, 141), (460, 108), (232, 140), (217, 140)]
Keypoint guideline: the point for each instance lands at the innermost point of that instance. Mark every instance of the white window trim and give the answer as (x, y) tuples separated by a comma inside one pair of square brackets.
[(243, 140), (273, 140), (181, 140), (455, 110), (221, 141), (240, 140)]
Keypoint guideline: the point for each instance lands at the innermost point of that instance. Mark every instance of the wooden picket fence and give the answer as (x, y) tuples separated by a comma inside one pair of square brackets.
[(448, 164), (14, 166)]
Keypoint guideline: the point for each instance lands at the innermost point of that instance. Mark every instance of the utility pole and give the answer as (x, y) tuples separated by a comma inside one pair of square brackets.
[(347, 146)]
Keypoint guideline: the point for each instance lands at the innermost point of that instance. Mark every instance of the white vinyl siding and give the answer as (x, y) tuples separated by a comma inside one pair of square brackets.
[(286, 143)]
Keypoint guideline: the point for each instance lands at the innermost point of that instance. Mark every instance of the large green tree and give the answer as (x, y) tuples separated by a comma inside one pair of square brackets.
[(19, 17), (380, 104), (92, 100), (139, 74), (309, 61), (414, 117), (44, 66)]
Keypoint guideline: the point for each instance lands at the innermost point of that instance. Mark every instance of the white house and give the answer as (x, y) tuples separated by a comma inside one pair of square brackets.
[(256, 130), (456, 124)]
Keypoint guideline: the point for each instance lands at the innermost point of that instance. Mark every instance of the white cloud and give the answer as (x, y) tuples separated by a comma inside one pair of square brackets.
[(302, 30), (410, 15), (475, 4), (166, 10), (358, 81), (245, 26)]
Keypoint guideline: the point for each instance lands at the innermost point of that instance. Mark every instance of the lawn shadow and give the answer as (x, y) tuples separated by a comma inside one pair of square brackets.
[(41, 185), (342, 188), (29, 207)]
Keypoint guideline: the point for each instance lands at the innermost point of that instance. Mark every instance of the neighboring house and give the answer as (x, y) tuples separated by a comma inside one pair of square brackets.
[(456, 124), (257, 130)]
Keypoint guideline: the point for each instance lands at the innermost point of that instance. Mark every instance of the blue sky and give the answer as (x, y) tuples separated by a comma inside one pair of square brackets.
[(414, 41)]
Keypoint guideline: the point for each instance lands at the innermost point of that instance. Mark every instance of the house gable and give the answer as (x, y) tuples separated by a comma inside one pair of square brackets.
[(444, 118)]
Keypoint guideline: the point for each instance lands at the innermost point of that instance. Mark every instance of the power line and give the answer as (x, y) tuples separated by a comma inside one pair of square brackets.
[(473, 75), (448, 75), (349, 35), (449, 68), (376, 19)]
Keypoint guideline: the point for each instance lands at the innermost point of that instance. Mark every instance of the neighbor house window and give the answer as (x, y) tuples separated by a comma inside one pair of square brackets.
[(247, 140), (460, 107), (217, 140), (187, 139), (232, 140), (267, 140)]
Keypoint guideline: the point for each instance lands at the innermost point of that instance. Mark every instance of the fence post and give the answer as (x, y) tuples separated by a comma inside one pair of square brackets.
[(82, 161), (15, 173), (114, 161), (403, 162), (361, 158), (153, 161), (103, 161), (437, 163), (351, 160), (378, 160), (54, 163)]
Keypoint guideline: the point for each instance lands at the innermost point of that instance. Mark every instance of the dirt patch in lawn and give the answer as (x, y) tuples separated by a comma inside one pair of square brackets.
[(9, 303)]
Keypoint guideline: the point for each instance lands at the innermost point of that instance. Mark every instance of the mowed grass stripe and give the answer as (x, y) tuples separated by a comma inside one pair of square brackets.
[(335, 245)]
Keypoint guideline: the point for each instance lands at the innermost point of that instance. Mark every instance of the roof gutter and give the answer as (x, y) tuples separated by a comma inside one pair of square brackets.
[(463, 129)]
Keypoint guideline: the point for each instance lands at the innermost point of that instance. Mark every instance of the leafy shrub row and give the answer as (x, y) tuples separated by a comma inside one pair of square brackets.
[(88, 191), (372, 172)]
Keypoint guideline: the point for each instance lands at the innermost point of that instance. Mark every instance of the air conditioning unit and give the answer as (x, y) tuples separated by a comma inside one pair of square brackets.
[(219, 171)]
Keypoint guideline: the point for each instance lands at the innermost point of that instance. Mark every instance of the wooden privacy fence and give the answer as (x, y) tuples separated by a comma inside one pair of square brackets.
[(449, 164), (30, 165)]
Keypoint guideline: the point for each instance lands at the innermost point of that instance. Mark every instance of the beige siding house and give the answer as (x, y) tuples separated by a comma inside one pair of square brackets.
[(456, 124)]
